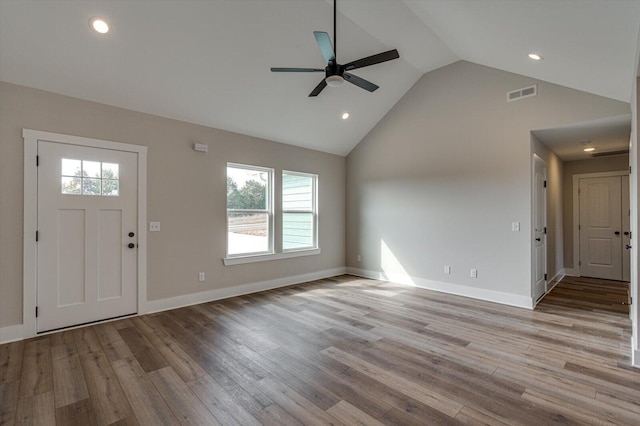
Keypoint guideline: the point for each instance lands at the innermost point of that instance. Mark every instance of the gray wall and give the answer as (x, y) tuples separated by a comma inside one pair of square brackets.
[(592, 165), (555, 241), (186, 193), (441, 177)]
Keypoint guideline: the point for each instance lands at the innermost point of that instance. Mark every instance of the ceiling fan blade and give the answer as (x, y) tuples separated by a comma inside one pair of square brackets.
[(372, 60), (360, 82), (296, 70), (318, 88), (324, 43)]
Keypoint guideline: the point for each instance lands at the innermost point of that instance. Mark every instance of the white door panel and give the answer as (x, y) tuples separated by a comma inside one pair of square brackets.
[(601, 227), (626, 228), (539, 228), (86, 210)]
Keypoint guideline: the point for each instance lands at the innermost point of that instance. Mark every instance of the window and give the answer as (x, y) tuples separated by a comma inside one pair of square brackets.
[(249, 210), (80, 177), (299, 211)]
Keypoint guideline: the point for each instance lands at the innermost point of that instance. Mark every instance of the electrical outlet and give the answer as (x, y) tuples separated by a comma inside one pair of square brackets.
[(201, 276), (154, 226), (474, 273), (447, 269), (515, 226), (359, 258)]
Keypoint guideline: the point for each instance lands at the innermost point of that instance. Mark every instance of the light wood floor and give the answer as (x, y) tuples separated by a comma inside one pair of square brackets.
[(338, 351)]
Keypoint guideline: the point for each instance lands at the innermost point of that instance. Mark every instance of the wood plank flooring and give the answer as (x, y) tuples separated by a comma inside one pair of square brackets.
[(591, 294), (341, 351)]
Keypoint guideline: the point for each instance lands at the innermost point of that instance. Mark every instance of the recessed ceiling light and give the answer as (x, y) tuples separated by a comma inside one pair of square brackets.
[(589, 149), (99, 25), (345, 115), (535, 56)]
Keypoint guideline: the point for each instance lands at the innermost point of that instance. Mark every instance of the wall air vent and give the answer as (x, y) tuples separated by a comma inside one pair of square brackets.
[(525, 92), (610, 153)]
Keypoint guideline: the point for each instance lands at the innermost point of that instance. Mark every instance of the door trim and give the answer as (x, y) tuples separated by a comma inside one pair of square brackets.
[(576, 212), (30, 252), (537, 159)]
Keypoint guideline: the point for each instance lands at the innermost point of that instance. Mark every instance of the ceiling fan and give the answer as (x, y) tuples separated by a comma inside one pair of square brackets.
[(336, 74)]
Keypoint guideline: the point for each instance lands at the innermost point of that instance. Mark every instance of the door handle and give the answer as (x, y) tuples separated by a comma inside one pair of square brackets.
[(131, 235), (626, 233), (617, 232), (131, 245), (537, 239), (627, 246)]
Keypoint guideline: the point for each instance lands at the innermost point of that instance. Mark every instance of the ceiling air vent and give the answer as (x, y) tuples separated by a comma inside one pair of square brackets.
[(525, 92), (610, 153)]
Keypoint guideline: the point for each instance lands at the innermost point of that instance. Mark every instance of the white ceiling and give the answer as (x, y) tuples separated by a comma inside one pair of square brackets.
[(605, 135), (207, 62)]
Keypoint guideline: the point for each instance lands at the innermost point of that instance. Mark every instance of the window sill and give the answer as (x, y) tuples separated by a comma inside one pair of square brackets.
[(228, 261)]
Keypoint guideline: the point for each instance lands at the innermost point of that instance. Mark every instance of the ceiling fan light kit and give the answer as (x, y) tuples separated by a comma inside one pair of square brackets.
[(336, 74), (334, 81)]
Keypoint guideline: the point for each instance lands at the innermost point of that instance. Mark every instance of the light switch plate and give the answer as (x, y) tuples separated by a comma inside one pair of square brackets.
[(515, 226), (154, 226)]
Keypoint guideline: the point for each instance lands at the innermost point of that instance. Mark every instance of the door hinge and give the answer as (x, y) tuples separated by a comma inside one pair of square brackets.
[(545, 230), (579, 227), (579, 262), (545, 184), (545, 277), (37, 236), (629, 169), (37, 160), (36, 312)]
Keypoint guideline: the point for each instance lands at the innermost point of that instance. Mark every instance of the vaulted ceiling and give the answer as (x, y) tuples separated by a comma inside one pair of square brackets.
[(207, 62)]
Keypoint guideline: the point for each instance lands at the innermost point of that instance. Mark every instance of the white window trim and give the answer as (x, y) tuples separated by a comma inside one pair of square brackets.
[(314, 209), (239, 260), (268, 211)]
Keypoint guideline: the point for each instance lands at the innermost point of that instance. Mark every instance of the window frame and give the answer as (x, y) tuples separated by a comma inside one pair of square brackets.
[(313, 211), (269, 211)]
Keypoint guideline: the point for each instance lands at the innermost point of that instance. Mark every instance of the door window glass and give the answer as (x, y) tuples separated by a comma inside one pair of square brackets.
[(81, 177)]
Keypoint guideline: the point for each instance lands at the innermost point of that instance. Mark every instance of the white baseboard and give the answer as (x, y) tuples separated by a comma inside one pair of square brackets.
[(11, 333), (556, 279), (16, 332), (457, 289), (239, 290), (569, 272)]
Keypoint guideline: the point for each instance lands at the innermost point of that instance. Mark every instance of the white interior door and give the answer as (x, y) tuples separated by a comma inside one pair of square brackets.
[(539, 228), (626, 229), (87, 235), (601, 227)]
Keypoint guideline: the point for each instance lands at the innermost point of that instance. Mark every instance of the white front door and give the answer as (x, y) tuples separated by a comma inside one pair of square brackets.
[(539, 228), (87, 235), (601, 227)]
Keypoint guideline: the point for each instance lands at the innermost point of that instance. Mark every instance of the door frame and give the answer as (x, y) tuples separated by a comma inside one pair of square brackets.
[(537, 159), (576, 213), (30, 247)]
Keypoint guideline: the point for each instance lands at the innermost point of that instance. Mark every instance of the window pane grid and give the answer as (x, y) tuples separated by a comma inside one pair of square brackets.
[(83, 177)]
